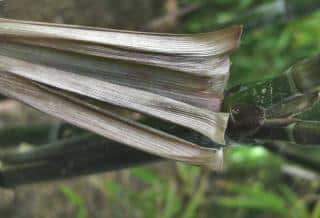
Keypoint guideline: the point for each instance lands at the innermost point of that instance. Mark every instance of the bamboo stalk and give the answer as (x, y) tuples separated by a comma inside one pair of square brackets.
[(300, 132), (293, 106), (283, 149), (76, 156), (277, 99), (300, 79), (305, 75), (36, 134)]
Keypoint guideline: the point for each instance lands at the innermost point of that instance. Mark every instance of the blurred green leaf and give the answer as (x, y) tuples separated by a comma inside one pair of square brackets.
[(144, 175), (316, 210), (196, 200), (76, 200), (253, 197), (172, 202), (112, 190), (251, 158), (293, 201)]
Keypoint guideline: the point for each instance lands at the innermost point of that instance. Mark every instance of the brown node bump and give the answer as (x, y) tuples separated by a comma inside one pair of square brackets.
[(245, 120)]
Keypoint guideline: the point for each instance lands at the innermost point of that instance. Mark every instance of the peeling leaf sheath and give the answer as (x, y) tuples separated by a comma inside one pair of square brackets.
[(203, 44), (198, 65), (208, 123), (107, 125), (160, 63), (177, 85), (204, 55), (181, 68)]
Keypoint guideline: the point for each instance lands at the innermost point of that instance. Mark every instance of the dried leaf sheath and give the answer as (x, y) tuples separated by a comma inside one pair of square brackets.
[(184, 87), (107, 124), (193, 64), (204, 55), (203, 44), (209, 123), (177, 78)]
